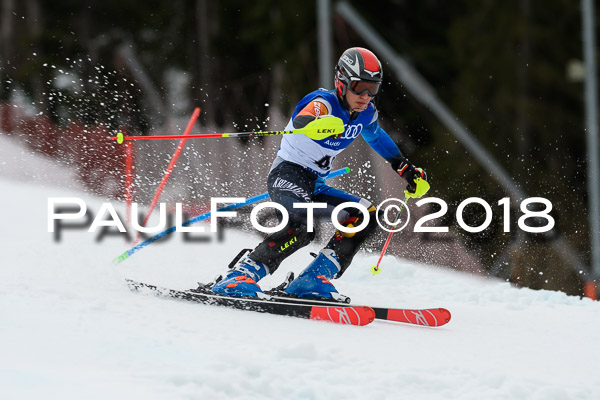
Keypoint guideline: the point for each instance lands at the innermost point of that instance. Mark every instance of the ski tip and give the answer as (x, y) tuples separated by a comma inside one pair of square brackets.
[(431, 317), (134, 286), (446, 315)]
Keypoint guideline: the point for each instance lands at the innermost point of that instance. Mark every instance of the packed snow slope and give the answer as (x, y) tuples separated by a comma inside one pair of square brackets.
[(71, 329)]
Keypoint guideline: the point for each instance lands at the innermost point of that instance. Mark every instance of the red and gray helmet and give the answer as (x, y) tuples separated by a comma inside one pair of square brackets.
[(359, 71)]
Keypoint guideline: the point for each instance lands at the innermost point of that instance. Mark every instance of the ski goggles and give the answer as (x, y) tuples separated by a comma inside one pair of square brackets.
[(360, 87)]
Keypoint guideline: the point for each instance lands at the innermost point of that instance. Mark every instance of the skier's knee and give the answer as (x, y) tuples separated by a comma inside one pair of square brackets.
[(355, 217)]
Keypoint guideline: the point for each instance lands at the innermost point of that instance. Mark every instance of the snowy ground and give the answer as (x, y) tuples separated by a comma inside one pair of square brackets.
[(70, 328)]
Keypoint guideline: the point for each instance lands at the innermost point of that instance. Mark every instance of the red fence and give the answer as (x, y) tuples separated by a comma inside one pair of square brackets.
[(99, 162)]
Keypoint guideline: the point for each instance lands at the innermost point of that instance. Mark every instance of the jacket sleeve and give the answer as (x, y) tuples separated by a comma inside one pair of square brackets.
[(313, 110), (382, 143)]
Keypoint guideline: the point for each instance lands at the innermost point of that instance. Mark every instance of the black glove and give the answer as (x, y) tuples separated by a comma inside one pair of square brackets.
[(408, 172)]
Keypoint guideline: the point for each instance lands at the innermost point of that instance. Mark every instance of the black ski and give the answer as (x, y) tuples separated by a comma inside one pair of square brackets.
[(348, 315)]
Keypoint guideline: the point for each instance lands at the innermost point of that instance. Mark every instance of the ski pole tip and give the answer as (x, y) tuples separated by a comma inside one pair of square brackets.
[(120, 138), (375, 270)]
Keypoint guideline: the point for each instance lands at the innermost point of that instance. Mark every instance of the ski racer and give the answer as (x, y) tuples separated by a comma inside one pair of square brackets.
[(296, 176)]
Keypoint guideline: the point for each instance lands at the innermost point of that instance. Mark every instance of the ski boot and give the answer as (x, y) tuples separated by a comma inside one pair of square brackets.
[(241, 280), (313, 282)]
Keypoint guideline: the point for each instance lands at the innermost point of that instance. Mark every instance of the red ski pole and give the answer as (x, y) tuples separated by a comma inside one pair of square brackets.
[(422, 188), (375, 268)]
